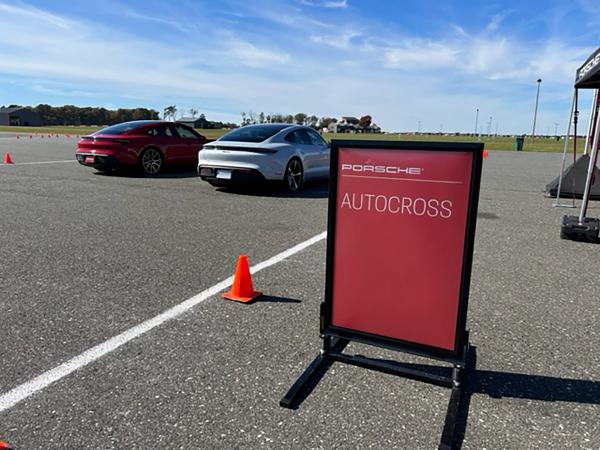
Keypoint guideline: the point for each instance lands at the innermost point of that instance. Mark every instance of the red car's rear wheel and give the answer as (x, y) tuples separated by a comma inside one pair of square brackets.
[(151, 161)]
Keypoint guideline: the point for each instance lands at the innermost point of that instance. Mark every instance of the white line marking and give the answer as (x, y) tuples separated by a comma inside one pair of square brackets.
[(21, 392), (404, 179), (39, 162)]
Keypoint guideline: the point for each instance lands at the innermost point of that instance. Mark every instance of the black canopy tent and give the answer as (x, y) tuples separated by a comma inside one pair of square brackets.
[(570, 182), (582, 227), (588, 75)]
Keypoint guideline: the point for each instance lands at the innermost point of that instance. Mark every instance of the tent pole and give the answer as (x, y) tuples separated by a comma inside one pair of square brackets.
[(591, 167), (591, 130), (564, 157)]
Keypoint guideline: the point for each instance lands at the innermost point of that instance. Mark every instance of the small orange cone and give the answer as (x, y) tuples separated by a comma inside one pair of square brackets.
[(485, 154), (7, 158), (242, 289)]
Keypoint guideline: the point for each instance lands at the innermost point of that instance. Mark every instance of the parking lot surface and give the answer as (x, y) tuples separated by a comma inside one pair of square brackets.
[(86, 256)]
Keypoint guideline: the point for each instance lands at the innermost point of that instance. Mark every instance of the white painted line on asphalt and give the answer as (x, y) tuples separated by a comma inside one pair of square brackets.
[(21, 392), (40, 162)]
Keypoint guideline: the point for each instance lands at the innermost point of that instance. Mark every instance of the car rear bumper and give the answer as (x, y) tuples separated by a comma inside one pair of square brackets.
[(98, 161), (224, 176)]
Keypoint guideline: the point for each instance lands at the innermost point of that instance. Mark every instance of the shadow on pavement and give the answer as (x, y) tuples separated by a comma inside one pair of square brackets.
[(514, 385), (502, 384), (276, 299), (175, 172), (316, 189)]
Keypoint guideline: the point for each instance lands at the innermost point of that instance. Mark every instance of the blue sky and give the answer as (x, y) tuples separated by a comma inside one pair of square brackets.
[(403, 62)]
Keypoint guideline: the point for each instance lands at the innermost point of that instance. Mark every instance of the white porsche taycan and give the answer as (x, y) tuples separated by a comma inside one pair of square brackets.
[(290, 153)]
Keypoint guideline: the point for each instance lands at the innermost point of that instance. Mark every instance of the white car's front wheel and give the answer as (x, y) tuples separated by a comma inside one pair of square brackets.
[(294, 175)]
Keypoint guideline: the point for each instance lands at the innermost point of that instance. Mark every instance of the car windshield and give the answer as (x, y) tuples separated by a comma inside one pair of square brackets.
[(253, 133), (120, 128)]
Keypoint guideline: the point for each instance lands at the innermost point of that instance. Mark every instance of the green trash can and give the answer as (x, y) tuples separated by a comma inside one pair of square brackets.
[(519, 143)]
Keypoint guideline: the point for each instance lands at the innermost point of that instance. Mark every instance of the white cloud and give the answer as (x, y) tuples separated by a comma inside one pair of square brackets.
[(326, 3), (53, 91), (26, 12), (493, 58), (496, 21), (159, 20), (419, 54), (341, 41), (248, 54), (398, 80)]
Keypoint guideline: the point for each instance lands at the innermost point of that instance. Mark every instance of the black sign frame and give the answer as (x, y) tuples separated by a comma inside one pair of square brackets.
[(326, 326), (335, 339)]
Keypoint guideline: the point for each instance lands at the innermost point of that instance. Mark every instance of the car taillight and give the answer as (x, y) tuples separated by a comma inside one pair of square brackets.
[(229, 148), (109, 139)]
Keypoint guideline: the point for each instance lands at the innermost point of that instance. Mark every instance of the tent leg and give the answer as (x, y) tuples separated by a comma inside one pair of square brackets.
[(591, 129), (592, 165), (564, 157), (584, 228)]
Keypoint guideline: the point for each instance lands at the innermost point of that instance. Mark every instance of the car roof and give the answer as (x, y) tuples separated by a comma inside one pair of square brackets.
[(277, 130), (281, 126)]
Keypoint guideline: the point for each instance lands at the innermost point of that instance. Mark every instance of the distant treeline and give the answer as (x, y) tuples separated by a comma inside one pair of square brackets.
[(75, 115)]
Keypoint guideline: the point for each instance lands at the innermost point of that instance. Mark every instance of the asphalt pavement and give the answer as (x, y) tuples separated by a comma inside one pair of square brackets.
[(86, 256)]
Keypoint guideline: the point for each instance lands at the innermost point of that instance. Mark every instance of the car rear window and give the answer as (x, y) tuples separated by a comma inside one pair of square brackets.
[(185, 133), (253, 133), (299, 137), (121, 128)]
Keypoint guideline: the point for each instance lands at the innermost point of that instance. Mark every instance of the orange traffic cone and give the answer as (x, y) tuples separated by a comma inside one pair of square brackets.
[(242, 289), (485, 154), (7, 158)]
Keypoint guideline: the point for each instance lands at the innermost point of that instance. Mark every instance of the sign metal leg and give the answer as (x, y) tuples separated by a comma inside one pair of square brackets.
[(332, 352), (448, 434), (313, 372)]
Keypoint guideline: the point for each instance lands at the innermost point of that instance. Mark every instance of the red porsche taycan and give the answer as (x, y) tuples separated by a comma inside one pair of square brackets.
[(148, 144)]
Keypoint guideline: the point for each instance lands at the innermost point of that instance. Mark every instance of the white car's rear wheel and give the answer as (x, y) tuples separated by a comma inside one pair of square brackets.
[(294, 175)]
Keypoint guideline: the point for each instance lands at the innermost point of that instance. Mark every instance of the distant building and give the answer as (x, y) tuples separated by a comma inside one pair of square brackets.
[(19, 117), (374, 128), (349, 124), (196, 122), (345, 125)]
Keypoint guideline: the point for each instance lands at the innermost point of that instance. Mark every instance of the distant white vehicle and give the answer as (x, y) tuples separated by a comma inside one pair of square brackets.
[(276, 152)]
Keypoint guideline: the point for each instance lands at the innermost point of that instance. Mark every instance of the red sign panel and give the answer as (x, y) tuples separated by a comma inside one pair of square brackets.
[(399, 242)]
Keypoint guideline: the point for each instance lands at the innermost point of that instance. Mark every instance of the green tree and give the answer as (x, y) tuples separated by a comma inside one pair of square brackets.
[(326, 121), (170, 111), (300, 118), (365, 121), (312, 121)]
